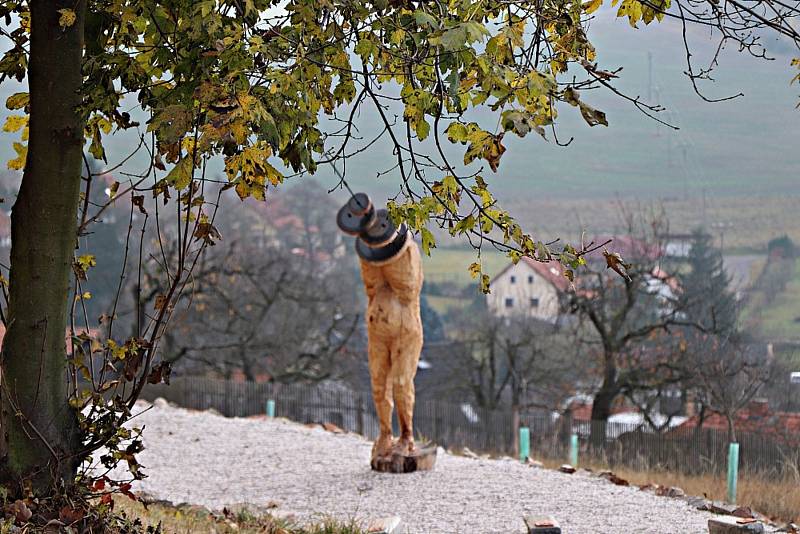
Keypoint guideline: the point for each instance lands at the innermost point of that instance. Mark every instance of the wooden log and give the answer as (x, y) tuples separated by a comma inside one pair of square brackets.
[(422, 459)]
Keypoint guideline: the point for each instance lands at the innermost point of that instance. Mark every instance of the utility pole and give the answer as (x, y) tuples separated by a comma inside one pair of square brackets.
[(684, 148)]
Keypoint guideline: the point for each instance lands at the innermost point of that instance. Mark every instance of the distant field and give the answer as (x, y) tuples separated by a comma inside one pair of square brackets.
[(450, 264), (442, 305), (781, 318), (742, 147), (739, 224)]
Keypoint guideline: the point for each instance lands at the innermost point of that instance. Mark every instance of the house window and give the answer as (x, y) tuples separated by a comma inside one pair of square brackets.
[(509, 303), (513, 279), (530, 278), (534, 303)]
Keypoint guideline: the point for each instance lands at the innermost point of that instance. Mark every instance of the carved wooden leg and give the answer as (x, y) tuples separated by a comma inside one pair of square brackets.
[(405, 357), (379, 370)]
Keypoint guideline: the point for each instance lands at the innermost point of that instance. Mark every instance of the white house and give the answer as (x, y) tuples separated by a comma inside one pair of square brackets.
[(529, 288)]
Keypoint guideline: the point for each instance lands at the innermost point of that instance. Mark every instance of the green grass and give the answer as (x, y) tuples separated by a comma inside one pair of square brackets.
[(450, 264), (780, 319), (442, 305), (196, 520)]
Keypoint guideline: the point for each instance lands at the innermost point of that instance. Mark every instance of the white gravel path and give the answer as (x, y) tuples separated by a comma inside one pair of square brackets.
[(203, 458)]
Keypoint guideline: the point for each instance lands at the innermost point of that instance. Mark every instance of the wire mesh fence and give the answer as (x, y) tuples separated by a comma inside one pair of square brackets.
[(456, 426)]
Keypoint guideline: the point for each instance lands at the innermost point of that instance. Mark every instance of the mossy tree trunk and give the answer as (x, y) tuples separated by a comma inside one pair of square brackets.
[(40, 430)]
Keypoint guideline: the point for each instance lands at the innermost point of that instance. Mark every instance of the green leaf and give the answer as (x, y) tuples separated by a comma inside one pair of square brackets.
[(96, 147), (423, 129), (454, 38), (424, 20), (457, 132), (428, 241), (475, 31), (181, 174), (366, 48)]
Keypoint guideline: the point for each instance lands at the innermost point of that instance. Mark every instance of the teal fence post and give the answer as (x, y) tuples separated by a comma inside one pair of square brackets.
[(270, 408), (733, 470), (524, 444), (573, 450)]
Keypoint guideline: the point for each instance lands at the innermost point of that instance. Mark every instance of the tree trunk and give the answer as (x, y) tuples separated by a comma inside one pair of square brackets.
[(601, 410), (515, 425), (731, 428), (40, 429)]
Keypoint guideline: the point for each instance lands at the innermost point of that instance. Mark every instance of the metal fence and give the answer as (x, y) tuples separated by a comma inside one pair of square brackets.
[(493, 431), (449, 425)]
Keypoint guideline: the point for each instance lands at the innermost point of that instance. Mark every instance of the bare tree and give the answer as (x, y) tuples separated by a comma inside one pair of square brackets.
[(727, 374), (274, 299), (518, 362), (627, 321)]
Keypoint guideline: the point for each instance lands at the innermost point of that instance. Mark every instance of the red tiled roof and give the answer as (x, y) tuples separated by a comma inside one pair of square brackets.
[(631, 249), (755, 418), (669, 279), (582, 410), (551, 271)]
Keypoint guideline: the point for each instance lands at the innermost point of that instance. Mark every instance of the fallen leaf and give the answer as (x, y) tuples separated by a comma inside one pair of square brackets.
[(21, 511)]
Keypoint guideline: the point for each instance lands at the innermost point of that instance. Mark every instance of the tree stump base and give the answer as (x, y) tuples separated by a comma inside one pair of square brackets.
[(422, 459)]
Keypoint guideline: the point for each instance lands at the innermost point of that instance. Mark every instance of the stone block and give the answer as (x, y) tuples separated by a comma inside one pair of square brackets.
[(719, 507), (385, 525), (729, 524), (542, 525)]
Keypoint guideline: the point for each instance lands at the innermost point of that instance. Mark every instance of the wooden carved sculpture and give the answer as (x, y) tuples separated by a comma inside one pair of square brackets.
[(392, 274)]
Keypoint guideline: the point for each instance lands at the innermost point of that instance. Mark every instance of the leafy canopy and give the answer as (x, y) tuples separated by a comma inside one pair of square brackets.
[(252, 81)]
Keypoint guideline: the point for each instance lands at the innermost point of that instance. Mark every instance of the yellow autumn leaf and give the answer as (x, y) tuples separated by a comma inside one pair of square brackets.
[(66, 19), (245, 102), (25, 21), (592, 5), (86, 261), (189, 144), (273, 175), (17, 101), (18, 163), (104, 124), (181, 174), (239, 131), (14, 123)]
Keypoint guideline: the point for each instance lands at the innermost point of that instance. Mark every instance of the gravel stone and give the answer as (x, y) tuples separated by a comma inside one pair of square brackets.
[(214, 461)]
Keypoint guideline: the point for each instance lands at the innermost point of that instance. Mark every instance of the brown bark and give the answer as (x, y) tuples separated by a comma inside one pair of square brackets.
[(603, 399), (731, 428), (40, 429), (601, 410)]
